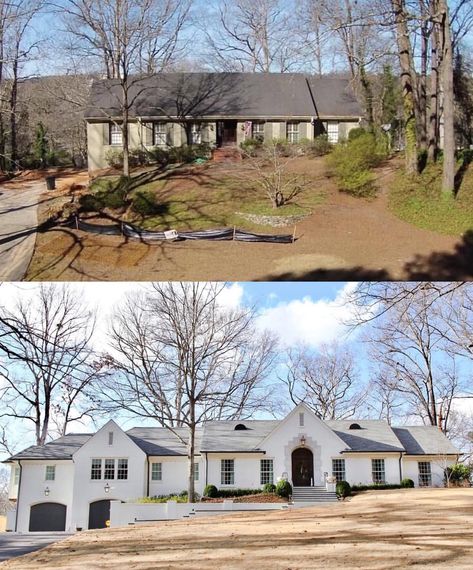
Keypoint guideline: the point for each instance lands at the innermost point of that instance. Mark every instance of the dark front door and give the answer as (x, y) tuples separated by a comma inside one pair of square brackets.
[(227, 133), (99, 513), (47, 517), (302, 467)]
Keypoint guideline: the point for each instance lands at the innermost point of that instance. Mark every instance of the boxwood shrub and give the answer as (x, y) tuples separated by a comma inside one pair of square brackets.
[(407, 483), (284, 489), (379, 487), (343, 489), (211, 491), (269, 488)]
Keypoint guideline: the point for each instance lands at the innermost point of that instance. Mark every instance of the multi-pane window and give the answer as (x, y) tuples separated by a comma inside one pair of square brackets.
[(266, 471), (293, 132), (338, 469), (16, 476), (227, 472), (377, 469), (425, 474), (257, 131), (122, 470), (96, 469), (50, 473), (109, 472), (332, 132), (196, 134), (159, 134), (196, 471), (156, 471), (116, 135)]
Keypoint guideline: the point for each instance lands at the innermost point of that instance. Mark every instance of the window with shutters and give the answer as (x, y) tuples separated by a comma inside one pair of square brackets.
[(293, 132), (116, 135), (332, 132), (257, 131), (160, 134)]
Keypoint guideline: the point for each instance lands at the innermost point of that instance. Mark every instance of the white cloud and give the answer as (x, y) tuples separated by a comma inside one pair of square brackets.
[(309, 321), (232, 296)]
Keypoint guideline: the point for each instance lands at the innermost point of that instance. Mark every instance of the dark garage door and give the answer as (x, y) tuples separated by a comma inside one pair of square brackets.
[(99, 512), (47, 517)]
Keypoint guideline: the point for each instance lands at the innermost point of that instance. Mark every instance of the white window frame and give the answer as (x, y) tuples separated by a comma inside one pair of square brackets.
[(196, 471), (227, 472), (378, 471), (257, 130), (292, 132), (96, 466), (338, 469), (109, 468), (156, 471), (115, 134), (122, 470), (266, 470), (160, 134), (196, 133), (50, 473), (333, 131), (425, 473)]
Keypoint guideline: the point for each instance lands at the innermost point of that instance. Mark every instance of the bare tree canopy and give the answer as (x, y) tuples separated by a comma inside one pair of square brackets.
[(326, 380), (47, 367), (181, 358)]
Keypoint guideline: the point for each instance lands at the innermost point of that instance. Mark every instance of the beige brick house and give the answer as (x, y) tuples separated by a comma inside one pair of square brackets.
[(221, 109)]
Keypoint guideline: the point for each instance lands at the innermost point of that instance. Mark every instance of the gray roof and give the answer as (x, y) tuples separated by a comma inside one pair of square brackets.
[(334, 97), (425, 440), (374, 435), (61, 448), (222, 436), (161, 441), (235, 95)]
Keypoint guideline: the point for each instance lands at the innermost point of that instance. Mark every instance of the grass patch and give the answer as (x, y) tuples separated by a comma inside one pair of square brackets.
[(419, 201)]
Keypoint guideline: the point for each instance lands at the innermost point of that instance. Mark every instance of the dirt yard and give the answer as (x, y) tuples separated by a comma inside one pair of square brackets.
[(384, 530)]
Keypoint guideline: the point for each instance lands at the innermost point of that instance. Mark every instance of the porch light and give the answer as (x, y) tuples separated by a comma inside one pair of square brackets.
[(47, 491), (302, 440), (106, 488)]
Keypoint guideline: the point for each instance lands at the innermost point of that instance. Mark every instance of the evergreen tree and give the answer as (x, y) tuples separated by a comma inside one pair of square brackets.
[(41, 145)]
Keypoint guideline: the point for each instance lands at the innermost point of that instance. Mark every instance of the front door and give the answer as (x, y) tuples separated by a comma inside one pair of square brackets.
[(227, 133), (99, 513), (302, 467)]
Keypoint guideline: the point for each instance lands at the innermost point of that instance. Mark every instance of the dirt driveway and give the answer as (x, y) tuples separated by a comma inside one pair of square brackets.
[(426, 528), (345, 238)]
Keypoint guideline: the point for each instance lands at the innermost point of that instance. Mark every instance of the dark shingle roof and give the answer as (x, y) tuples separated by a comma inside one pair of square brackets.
[(374, 435), (161, 441), (221, 436), (334, 97), (61, 448), (425, 440), (237, 95)]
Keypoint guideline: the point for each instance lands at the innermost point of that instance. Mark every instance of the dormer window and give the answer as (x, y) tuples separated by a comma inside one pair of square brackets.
[(240, 427), (355, 426), (110, 438)]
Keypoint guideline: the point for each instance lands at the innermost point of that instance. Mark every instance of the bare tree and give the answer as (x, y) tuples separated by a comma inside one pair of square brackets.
[(182, 358), (326, 380), (47, 367), (129, 39)]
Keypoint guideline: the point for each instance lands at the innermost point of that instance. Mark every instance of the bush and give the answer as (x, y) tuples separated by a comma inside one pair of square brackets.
[(343, 489), (320, 146), (284, 489), (269, 488), (138, 157), (351, 161), (158, 155), (356, 133), (144, 202), (112, 194), (458, 474), (374, 487), (407, 483), (114, 158), (211, 491), (251, 146), (226, 493)]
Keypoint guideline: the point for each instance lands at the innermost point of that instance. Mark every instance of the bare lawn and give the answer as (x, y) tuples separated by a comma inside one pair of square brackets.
[(426, 528)]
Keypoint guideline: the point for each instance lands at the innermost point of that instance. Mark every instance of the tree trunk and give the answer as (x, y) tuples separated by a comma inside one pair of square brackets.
[(13, 106), (432, 151), (407, 83), (422, 90), (368, 96), (125, 137), (448, 179)]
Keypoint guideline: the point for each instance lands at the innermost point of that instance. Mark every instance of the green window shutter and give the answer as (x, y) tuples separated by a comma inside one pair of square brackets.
[(283, 130), (268, 131), (148, 134), (106, 133)]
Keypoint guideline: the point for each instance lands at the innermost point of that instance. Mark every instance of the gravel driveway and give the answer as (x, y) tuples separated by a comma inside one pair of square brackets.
[(18, 222)]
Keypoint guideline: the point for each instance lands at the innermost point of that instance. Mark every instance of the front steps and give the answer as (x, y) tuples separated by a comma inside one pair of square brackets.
[(226, 154), (313, 495)]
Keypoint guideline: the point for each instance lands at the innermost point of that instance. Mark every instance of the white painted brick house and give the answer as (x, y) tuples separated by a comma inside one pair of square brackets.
[(69, 483)]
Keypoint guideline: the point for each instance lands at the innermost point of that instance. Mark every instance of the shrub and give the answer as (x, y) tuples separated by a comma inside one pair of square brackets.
[(144, 202), (251, 146), (269, 488), (356, 133), (407, 483), (458, 474), (202, 150), (374, 487), (343, 489), (114, 158), (138, 157), (112, 194), (320, 146), (211, 491), (283, 147), (225, 493), (158, 155), (351, 161), (283, 488)]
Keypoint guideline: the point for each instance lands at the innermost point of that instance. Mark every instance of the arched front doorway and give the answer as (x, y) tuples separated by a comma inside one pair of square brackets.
[(302, 467), (99, 514)]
